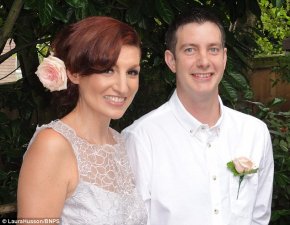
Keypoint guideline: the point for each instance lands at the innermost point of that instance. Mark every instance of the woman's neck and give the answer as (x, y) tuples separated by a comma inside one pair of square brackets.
[(89, 126)]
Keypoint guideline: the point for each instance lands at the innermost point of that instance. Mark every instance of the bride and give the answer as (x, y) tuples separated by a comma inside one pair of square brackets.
[(76, 168)]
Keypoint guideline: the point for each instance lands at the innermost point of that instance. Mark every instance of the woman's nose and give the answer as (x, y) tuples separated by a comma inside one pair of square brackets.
[(121, 84)]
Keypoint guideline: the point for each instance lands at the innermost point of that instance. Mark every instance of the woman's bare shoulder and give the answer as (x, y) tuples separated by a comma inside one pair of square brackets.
[(48, 141), (50, 152), (47, 172)]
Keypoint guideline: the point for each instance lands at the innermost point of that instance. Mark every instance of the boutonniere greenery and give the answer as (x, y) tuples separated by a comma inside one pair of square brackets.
[(241, 167)]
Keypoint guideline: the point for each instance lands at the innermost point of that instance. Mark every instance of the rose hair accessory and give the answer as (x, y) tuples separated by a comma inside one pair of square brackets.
[(241, 167), (52, 73)]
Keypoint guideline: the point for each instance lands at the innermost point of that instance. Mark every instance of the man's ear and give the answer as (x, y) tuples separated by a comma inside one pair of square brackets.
[(170, 60), (225, 58), (74, 77)]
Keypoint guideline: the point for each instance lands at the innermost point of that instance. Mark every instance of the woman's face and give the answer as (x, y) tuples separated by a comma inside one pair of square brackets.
[(109, 94)]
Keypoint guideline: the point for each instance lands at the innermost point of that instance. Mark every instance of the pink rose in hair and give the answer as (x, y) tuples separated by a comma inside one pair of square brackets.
[(52, 73)]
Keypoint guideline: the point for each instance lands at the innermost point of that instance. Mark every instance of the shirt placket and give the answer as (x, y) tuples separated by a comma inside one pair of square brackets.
[(212, 165)]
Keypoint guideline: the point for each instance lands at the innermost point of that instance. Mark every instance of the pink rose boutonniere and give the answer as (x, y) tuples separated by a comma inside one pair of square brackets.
[(241, 167), (52, 73)]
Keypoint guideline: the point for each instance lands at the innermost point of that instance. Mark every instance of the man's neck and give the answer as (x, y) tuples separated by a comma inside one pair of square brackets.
[(206, 110)]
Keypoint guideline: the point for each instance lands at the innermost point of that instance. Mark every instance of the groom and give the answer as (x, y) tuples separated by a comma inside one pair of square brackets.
[(179, 152)]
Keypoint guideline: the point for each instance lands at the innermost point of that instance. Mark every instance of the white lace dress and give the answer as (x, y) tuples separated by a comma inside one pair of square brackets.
[(105, 194)]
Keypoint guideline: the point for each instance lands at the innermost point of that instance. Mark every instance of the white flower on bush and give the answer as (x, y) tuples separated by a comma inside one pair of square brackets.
[(241, 166), (52, 73)]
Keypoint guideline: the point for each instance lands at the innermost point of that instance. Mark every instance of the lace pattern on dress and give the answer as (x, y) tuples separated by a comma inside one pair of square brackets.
[(105, 194)]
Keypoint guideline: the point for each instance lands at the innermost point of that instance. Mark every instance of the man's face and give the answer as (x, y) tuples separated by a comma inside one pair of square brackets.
[(199, 61)]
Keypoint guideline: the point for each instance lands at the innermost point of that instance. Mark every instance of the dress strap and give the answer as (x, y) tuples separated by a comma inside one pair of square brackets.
[(60, 127)]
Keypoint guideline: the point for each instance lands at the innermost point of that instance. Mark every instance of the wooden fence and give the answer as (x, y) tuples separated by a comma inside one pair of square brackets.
[(263, 76)]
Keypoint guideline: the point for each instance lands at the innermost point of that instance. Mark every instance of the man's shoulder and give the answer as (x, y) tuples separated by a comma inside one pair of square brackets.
[(156, 116), (243, 118)]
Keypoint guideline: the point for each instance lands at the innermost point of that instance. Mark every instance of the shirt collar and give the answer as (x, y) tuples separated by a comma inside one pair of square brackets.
[(187, 121)]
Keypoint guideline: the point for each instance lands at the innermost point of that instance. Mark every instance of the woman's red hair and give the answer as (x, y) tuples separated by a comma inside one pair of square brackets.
[(93, 45), (90, 46)]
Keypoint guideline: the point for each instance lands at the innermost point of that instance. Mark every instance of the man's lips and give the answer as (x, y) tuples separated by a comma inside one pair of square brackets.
[(202, 75)]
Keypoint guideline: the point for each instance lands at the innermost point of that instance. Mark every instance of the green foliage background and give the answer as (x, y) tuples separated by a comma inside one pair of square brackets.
[(25, 103), (274, 26)]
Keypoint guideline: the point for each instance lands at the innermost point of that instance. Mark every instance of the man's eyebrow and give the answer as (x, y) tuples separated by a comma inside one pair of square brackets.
[(196, 45), (188, 45)]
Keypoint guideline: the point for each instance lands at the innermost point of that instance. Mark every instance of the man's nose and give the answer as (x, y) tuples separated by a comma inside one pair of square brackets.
[(203, 60)]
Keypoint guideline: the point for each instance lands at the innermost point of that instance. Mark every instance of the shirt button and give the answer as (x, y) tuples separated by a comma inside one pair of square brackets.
[(216, 211), (214, 177)]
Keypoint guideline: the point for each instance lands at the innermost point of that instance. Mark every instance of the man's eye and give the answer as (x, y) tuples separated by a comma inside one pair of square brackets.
[(189, 50), (214, 50)]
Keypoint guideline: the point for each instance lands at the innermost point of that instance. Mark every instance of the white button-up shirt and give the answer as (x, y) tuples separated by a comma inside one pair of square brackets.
[(181, 173)]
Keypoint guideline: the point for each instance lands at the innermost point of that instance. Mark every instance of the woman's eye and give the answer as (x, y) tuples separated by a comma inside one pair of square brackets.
[(109, 71), (133, 72)]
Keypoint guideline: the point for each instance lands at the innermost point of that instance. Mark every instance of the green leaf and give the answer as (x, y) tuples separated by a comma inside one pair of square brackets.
[(3, 175), (251, 171), (232, 168), (133, 14), (228, 91), (284, 146), (277, 214), (30, 4), (124, 2), (60, 14), (76, 3), (288, 139), (248, 94), (281, 179), (45, 11), (164, 10), (278, 3), (241, 55), (92, 9), (238, 79), (142, 24), (79, 13), (276, 101)]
